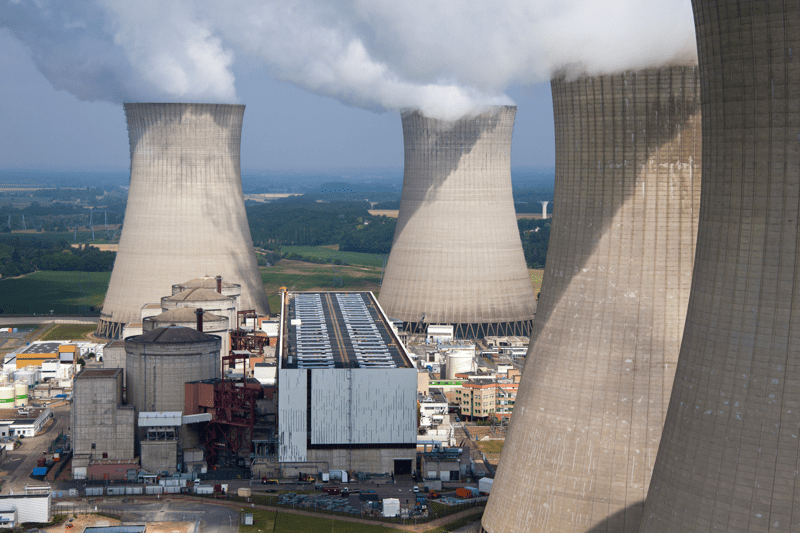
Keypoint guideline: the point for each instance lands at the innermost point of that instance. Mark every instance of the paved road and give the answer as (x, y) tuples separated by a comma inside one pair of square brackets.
[(20, 463), (47, 319), (216, 518)]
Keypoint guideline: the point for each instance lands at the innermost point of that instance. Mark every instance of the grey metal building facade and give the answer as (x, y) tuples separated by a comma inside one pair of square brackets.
[(185, 216), (605, 342), (457, 256), (729, 453)]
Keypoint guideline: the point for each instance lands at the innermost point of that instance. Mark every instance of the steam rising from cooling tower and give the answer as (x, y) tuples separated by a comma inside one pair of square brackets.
[(185, 216), (377, 55), (595, 388)]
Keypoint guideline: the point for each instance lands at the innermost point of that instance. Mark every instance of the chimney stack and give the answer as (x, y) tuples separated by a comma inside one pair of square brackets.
[(219, 284), (199, 313)]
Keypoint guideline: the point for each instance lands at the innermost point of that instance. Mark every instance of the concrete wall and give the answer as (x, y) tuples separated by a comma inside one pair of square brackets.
[(159, 455), (728, 457), (185, 216), (99, 419), (372, 460), (457, 255), (595, 388)]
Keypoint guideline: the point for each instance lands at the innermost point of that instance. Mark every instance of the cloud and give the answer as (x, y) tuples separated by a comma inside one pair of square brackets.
[(444, 57)]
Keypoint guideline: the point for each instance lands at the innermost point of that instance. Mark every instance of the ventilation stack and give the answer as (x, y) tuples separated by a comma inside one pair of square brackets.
[(457, 257), (185, 216), (595, 388), (729, 454)]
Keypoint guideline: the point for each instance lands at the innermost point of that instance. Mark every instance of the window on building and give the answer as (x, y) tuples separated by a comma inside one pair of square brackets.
[(94, 446)]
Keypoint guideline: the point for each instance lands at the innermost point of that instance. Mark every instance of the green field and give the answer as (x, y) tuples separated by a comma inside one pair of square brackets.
[(301, 276), (69, 332), (62, 293), (326, 253), (290, 523)]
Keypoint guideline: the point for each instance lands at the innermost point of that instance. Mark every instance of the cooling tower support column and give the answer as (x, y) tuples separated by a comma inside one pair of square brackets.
[(730, 451), (605, 342), (185, 216), (457, 256)]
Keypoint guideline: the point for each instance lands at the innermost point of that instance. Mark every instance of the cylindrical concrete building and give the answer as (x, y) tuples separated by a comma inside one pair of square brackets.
[(729, 454), (595, 388), (457, 256), (159, 362), (233, 290), (185, 216)]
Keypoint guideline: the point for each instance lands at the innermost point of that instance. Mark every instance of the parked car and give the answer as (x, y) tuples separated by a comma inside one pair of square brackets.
[(416, 488)]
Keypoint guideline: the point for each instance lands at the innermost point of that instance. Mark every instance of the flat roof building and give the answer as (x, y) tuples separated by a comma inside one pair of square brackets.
[(346, 385)]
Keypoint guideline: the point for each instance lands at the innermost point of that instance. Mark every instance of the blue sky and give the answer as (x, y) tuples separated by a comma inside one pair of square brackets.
[(285, 127)]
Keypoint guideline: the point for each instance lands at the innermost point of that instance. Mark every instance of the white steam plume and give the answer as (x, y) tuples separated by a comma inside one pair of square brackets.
[(444, 57)]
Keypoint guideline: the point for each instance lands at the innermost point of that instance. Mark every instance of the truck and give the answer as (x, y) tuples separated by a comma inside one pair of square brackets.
[(331, 491), (467, 492)]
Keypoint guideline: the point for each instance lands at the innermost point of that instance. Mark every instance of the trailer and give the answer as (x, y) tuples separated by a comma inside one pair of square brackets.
[(485, 485)]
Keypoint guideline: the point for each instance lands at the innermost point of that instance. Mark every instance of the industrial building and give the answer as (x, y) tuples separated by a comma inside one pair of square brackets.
[(457, 257), (102, 426), (185, 216), (346, 387), (595, 389), (730, 446)]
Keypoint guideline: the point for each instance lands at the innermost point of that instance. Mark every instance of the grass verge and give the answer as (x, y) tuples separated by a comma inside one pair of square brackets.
[(455, 524), (264, 521), (68, 332)]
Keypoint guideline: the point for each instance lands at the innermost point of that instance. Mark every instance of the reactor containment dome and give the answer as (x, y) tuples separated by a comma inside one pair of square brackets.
[(185, 216)]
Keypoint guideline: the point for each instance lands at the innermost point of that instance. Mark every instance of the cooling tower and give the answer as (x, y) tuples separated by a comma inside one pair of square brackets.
[(729, 455), (595, 387), (185, 216), (457, 256)]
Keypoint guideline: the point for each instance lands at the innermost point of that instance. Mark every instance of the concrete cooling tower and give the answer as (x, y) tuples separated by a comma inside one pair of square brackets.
[(185, 216), (729, 454), (457, 256), (595, 387)]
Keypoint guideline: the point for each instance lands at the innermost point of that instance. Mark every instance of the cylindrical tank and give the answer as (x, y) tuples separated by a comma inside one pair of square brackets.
[(3, 378), (205, 299), (595, 389), (7, 393), (185, 215), (728, 459), (20, 394), (28, 376), (160, 361), (458, 362), (457, 257)]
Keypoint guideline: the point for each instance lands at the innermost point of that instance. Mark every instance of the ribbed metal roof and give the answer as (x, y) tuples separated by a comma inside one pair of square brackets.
[(197, 295), (172, 334)]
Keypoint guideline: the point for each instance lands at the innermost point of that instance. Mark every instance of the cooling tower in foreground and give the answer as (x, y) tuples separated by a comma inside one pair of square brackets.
[(729, 455), (185, 216), (457, 256), (595, 388)]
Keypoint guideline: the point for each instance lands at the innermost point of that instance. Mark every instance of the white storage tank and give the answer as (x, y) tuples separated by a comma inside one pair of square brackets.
[(6, 397), (20, 394), (458, 362)]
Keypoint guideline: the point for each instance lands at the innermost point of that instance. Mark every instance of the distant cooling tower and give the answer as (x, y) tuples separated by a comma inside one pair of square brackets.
[(729, 455), (185, 216), (457, 256), (595, 388)]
